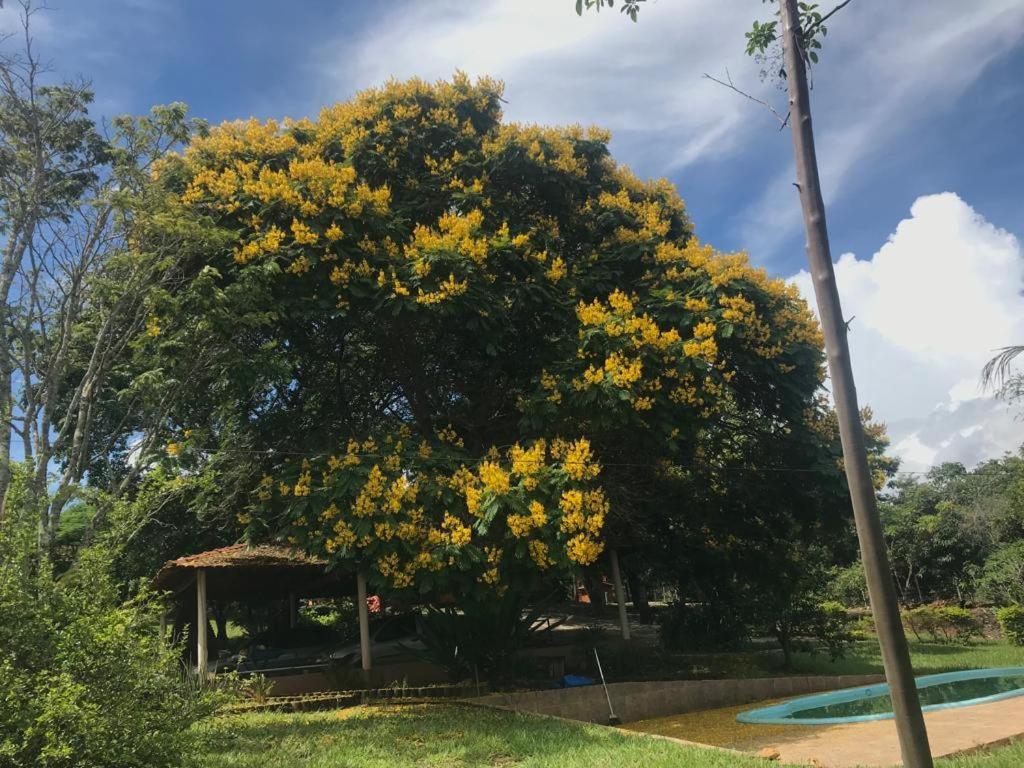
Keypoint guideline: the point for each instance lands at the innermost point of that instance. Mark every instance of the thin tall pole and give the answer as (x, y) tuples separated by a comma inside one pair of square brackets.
[(364, 626), (202, 654), (895, 654), (620, 593)]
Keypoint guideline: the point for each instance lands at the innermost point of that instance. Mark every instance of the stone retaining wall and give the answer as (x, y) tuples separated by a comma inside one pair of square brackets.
[(639, 701)]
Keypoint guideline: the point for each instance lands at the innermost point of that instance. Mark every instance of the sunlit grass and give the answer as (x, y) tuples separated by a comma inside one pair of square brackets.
[(438, 735), (452, 736), (927, 658)]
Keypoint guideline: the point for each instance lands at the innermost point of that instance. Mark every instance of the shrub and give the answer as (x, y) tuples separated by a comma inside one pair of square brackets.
[(482, 638), (701, 626), (1002, 577), (833, 627), (84, 679), (1011, 622), (847, 585), (942, 623)]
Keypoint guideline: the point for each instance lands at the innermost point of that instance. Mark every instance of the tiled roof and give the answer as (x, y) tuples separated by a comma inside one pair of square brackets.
[(246, 555)]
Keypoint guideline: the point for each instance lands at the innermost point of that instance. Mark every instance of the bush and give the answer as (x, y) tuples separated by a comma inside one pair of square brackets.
[(483, 638), (942, 623), (833, 627), (1002, 577), (1011, 622), (701, 626), (84, 680), (847, 585)]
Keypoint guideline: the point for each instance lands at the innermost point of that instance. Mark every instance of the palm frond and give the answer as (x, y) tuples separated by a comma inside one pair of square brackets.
[(999, 368)]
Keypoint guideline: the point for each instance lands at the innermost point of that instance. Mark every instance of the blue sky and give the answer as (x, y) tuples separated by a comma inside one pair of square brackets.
[(907, 106)]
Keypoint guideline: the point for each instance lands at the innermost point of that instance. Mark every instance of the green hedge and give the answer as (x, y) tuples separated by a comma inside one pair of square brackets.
[(942, 623)]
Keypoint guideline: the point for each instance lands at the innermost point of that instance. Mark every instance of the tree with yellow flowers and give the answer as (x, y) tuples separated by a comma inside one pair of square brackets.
[(455, 351)]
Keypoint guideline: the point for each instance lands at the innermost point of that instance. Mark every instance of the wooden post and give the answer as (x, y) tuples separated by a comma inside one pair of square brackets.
[(293, 610), (620, 593), (899, 673), (364, 626), (163, 627), (202, 653)]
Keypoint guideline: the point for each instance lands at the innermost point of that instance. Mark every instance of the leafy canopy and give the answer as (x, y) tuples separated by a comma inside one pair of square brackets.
[(454, 345)]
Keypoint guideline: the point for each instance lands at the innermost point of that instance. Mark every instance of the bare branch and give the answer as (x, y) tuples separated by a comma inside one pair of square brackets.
[(731, 86), (827, 16)]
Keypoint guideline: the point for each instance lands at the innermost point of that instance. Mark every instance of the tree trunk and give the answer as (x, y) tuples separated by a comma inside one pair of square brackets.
[(638, 591), (786, 643), (895, 654)]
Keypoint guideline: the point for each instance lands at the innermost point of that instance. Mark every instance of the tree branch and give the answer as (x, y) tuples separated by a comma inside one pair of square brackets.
[(827, 16), (782, 120)]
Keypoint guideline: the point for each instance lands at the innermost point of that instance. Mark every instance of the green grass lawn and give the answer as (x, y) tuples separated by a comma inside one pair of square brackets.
[(861, 658), (438, 736), (927, 658), (451, 736)]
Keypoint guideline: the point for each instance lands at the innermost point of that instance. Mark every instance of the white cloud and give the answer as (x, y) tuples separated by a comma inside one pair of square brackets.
[(929, 309), (641, 80)]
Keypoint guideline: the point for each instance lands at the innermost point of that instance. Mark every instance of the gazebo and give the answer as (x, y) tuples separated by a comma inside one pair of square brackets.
[(263, 572)]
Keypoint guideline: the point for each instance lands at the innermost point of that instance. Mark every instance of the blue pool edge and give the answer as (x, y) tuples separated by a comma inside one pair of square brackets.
[(777, 714)]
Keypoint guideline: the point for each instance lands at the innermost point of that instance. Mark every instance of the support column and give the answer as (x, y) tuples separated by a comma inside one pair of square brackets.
[(163, 627), (364, 626), (620, 593), (202, 648)]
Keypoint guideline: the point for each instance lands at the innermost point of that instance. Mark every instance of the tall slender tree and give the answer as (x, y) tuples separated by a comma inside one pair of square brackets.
[(801, 25)]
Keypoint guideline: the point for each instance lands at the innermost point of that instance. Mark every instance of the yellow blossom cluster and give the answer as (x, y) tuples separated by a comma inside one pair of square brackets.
[(381, 501)]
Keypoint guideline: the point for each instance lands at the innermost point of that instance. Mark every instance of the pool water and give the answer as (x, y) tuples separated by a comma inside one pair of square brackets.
[(871, 702)]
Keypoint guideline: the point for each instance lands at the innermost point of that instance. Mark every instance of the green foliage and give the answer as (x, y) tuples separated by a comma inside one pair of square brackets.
[(257, 688), (763, 35), (944, 530), (449, 349), (338, 615), (942, 623), (833, 626), (848, 586), (629, 7), (84, 680), (165, 516), (1011, 622), (1002, 577), (702, 626), (480, 639)]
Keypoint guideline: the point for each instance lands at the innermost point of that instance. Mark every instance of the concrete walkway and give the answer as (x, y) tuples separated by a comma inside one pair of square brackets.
[(875, 743)]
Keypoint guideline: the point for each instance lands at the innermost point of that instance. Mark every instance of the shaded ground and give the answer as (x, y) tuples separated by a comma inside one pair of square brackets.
[(719, 727)]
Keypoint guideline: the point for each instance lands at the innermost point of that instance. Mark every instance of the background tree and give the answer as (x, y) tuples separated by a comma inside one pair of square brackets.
[(76, 294)]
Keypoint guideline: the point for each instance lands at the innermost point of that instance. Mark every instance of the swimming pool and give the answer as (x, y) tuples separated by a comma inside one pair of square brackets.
[(871, 702)]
